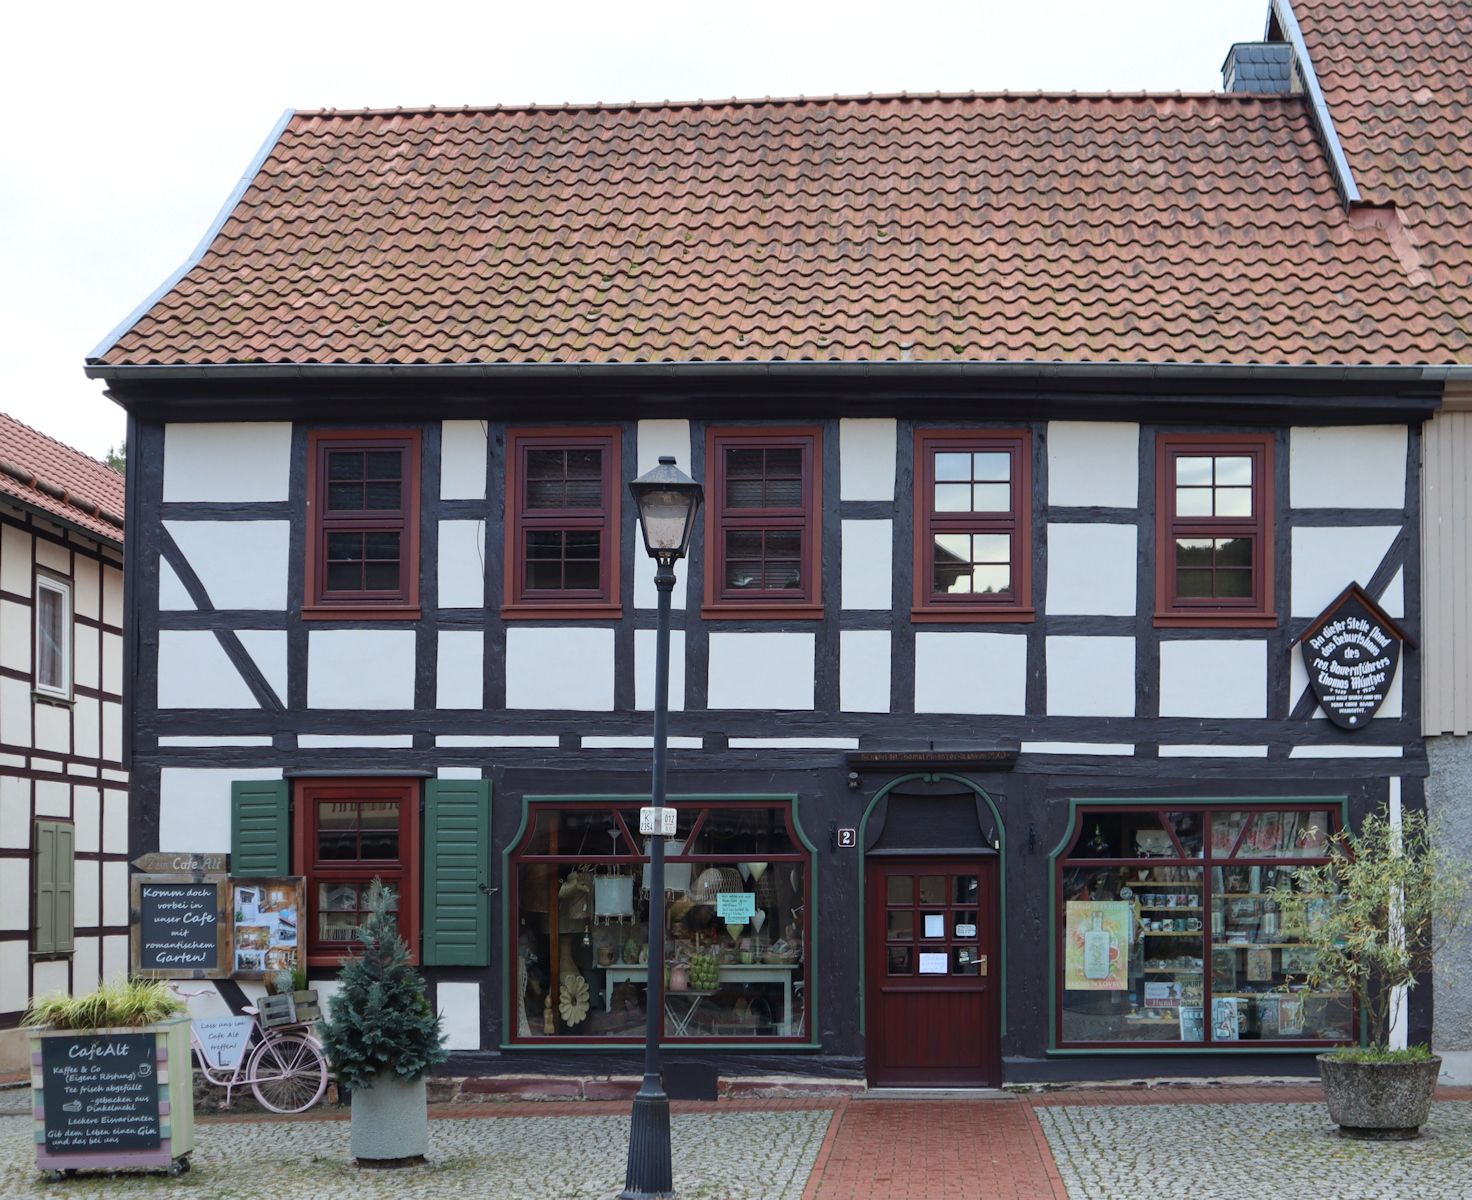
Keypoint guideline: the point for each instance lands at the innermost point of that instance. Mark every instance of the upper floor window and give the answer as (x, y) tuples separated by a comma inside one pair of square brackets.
[(53, 659), (562, 521), (1214, 538), (972, 526), (763, 522), (363, 523)]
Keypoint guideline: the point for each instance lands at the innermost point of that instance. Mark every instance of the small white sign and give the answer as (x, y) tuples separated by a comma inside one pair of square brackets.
[(848, 838), (657, 820), (223, 1040), (935, 925), (965, 930), (933, 964)]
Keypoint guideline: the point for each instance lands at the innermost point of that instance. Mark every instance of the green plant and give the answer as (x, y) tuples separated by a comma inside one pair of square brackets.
[(113, 1005), (1395, 896), (381, 1019)]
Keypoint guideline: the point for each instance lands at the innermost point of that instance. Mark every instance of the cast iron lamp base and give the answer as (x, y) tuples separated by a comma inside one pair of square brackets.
[(649, 1172)]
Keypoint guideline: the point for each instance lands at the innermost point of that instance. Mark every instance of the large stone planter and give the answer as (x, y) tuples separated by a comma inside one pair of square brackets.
[(390, 1122), (1381, 1101)]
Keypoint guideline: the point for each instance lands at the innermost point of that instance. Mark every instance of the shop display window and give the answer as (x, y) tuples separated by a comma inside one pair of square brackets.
[(736, 935), (1168, 933)]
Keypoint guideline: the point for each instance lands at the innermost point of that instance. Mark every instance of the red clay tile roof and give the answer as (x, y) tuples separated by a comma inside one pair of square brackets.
[(44, 474), (959, 228)]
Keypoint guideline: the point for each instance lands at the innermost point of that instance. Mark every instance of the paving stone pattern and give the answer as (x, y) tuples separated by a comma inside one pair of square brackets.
[(1231, 1151), (718, 1156)]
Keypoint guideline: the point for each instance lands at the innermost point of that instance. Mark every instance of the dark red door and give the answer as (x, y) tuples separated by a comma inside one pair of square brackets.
[(931, 1012)]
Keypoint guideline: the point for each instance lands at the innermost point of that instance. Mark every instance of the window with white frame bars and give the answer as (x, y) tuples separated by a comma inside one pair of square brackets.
[(53, 650)]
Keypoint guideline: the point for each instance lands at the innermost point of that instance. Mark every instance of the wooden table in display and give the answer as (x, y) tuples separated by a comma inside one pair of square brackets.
[(730, 973)]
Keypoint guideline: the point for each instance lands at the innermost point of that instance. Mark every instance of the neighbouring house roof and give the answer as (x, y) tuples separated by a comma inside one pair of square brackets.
[(46, 475), (964, 228)]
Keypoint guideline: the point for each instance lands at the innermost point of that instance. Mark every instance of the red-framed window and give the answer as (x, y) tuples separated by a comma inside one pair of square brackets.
[(562, 522), (1168, 935), (362, 524), (579, 899), (763, 522), (349, 832), (1214, 543), (973, 526)]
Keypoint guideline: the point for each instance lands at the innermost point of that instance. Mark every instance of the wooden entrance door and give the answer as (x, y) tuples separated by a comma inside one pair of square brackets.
[(932, 1014)]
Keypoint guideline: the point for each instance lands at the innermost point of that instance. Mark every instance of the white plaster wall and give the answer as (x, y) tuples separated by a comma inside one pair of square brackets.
[(53, 728), (864, 657), (1094, 463), (559, 668), (87, 881), (51, 977), (53, 799), (1324, 561), (172, 596), (867, 564), (360, 668), (112, 664), (221, 461), (86, 587), (15, 560), (15, 975), (267, 649), (462, 460), (1091, 676), (53, 557), (115, 893), (1214, 678), (15, 635), (115, 959), (1347, 466), (15, 894), (459, 1003), (112, 597), (86, 656), (1393, 599), (462, 564), (242, 564), (86, 727), (194, 806), (460, 668), (195, 672), (87, 813), (15, 812), (970, 672), (1092, 569), (866, 456), (112, 732), (15, 712), (86, 965), (644, 670), (761, 670), (114, 821)]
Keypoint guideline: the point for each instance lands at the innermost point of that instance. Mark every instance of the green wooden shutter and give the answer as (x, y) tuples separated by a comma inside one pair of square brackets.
[(55, 867), (457, 853), (260, 827)]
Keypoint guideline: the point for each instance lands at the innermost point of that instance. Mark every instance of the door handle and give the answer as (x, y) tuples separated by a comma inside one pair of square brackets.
[(981, 964)]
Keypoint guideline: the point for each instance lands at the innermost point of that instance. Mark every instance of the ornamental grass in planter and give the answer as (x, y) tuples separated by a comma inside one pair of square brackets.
[(1397, 897), (382, 1039)]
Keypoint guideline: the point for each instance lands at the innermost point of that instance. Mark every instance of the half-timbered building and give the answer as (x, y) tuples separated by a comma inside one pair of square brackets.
[(1035, 433), (63, 790)]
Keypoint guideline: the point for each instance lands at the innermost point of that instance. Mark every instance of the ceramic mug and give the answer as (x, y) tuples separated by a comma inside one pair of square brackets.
[(1193, 923)]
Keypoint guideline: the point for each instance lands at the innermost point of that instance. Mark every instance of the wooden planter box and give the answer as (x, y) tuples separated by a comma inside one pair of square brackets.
[(289, 1008), (107, 1098)]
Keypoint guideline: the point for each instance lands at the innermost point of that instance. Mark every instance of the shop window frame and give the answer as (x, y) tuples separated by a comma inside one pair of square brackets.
[(521, 603), (403, 872), (1082, 814), (514, 858), (1250, 612), (1016, 605), (402, 603)]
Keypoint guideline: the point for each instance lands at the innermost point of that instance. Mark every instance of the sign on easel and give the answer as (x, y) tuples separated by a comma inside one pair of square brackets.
[(1352, 651)]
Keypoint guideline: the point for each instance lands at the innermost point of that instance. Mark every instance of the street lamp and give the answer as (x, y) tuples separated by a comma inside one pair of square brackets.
[(668, 500)]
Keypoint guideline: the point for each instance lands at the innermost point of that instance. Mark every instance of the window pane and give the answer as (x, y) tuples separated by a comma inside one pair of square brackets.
[(1225, 828), (546, 464), (952, 547), (952, 497), (1234, 471), (953, 578), (932, 889), (991, 497), (381, 546), (345, 497), (1233, 552), (901, 889), (991, 581), (1287, 835), (1234, 585), (584, 543), (744, 493), (953, 466), (965, 960), (584, 493), (342, 547), (901, 926), (901, 960), (1194, 552), (1193, 471), (345, 464), (964, 891), (544, 493), (1193, 585), (337, 831), (381, 577), (743, 543), (991, 548), (585, 463), (581, 575), (344, 577), (50, 635), (992, 466), (543, 544), (379, 823), (543, 576), (383, 497), (1193, 502), (784, 463), (784, 543), (1234, 502)]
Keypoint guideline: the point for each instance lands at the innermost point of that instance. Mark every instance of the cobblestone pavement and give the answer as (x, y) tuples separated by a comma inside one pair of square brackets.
[(1229, 1151), (718, 1156)]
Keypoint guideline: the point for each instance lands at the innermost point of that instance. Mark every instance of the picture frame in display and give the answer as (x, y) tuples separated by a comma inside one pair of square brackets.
[(267, 916)]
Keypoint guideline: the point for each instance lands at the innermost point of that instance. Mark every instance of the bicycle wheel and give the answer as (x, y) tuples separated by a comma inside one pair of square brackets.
[(288, 1072)]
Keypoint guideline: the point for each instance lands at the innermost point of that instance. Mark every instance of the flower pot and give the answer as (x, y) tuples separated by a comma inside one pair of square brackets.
[(1379, 1101), (390, 1122)]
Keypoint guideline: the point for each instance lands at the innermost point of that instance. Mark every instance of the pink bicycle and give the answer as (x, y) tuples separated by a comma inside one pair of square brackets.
[(283, 1064)]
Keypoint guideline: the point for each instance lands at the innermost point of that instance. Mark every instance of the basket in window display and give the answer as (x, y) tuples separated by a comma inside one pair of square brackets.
[(711, 882)]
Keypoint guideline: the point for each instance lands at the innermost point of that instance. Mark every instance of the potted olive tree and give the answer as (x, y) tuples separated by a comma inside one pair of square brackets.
[(382, 1038), (1396, 896)]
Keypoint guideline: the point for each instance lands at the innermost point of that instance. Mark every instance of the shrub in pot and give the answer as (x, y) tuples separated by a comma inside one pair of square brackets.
[(382, 1038), (1397, 896)]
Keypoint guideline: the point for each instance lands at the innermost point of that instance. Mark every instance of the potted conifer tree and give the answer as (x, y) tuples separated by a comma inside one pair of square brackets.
[(382, 1038), (1395, 896)]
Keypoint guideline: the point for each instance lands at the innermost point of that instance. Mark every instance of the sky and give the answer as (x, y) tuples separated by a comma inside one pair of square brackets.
[(130, 124)]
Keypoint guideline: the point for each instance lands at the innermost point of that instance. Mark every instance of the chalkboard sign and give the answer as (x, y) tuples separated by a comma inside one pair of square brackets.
[(1351, 652), (100, 1092), (179, 927)]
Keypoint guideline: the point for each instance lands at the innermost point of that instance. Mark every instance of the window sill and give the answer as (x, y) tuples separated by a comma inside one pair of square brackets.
[(971, 616), (1215, 620), (360, 612), (553, 612), (42, 696), (762, 612)]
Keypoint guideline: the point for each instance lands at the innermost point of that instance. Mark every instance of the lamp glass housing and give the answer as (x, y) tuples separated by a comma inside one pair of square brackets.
[(668, 500)]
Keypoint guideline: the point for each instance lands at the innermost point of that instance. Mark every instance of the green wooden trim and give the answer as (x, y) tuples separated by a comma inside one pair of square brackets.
[(512, 947), (937, 777), (1078, 803), (260, 827), (453, 802)]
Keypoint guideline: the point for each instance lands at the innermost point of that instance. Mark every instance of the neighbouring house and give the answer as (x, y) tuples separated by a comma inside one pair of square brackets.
[(63, 790), (1037, 432)]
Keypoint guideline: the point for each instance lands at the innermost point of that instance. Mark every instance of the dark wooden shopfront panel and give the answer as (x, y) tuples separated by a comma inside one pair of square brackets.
[(933, 1016)]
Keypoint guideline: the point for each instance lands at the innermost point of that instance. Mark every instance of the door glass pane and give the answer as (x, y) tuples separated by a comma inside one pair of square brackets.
[(964, 889), (963, 924), (933, 925), (932, 889), (901, 926), (901, 960), (901, 889), (965, 960)]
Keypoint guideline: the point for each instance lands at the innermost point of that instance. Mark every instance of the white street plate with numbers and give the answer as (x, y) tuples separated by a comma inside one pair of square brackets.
[(657, 820)]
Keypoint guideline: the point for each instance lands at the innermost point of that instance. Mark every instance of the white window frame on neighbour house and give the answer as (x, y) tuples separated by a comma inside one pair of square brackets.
[(61, 688)]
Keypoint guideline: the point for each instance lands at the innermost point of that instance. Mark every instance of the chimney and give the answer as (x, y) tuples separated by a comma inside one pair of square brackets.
[(1261, 68)]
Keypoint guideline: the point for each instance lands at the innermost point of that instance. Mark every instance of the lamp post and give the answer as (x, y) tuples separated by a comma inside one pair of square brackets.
[(668, 500)]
